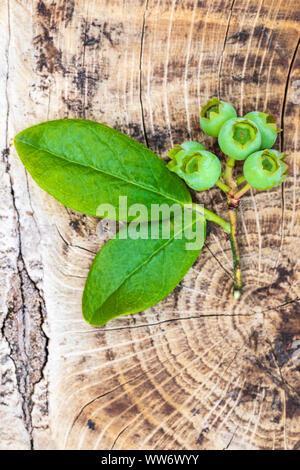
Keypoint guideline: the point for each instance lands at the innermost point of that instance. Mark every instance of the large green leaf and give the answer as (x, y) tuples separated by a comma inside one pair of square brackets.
[(84, 164), (128, 275)]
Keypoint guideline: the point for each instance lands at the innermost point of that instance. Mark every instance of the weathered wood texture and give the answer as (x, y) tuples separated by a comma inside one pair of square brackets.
[(197, 371)]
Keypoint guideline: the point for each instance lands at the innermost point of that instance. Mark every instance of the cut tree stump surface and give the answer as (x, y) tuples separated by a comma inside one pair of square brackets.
[(199, 370)]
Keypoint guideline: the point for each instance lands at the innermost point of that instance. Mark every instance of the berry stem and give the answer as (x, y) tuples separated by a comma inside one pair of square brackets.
[(243, 191), (223, 186), (228, 173), (240, 179)]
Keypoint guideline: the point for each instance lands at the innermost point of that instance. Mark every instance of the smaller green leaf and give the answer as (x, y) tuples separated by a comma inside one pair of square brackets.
[(129, 275)]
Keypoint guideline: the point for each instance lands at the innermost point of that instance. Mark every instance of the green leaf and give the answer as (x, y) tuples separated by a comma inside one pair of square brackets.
[(128, 275), (84, 164)]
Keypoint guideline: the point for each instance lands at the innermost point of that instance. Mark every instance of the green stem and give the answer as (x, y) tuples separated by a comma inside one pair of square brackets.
[(212, 217), (240, 179), (228, 173), (243, 191), (237, 289), (223, 186)]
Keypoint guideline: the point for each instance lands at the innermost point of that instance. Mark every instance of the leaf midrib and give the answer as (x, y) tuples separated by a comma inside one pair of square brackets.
[(143, 264), (104, 172)]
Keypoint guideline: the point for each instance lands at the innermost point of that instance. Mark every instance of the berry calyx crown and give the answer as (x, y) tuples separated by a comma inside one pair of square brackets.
[(211, 108), (244, 132)]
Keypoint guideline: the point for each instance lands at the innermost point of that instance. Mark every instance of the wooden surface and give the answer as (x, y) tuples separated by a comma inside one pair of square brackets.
[(199, 370)]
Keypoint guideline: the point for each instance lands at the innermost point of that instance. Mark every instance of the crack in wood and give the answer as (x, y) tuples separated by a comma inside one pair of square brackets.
[(73, 246), (141, 75), (282, 305), (218, 261), (118, 436), (223, 49), (283, 109), (84, 83), (231, 439), (23, 330), (192, 317), (287, 82), (77, 417)]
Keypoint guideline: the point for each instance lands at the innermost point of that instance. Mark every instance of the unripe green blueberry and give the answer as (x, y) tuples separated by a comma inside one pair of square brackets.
[(214, 114), (266, 124), (265, 169), (239, 137), (199, 168), (179, 152), (192, 146)]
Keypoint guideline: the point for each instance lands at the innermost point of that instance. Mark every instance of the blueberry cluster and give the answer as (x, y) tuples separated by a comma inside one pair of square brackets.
[(248, 138)]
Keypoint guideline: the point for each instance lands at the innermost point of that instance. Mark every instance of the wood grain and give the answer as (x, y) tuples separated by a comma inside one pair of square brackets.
[(199, 370)]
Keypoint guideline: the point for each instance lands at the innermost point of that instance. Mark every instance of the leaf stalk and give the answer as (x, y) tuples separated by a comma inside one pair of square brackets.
[(212, 217)]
